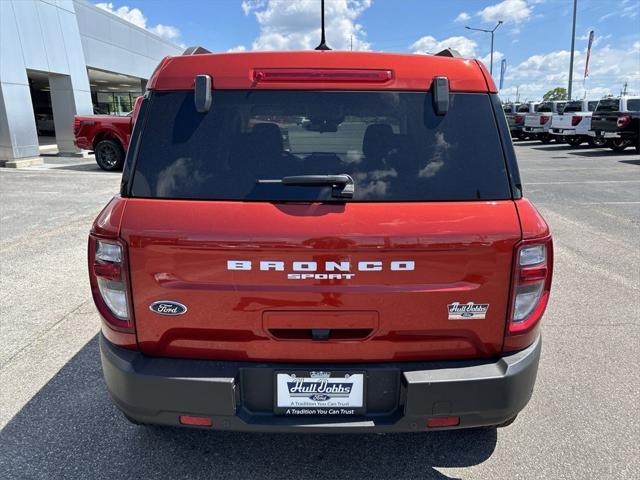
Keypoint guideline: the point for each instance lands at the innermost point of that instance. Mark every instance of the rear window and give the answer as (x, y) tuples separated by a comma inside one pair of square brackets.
[(608, 105), (523, 108), (573, 107), (633, 104), (545, 107), (391, 143), (592, 106)]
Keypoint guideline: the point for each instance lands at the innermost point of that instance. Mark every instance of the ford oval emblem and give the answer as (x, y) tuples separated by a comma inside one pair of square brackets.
[(168, 307)]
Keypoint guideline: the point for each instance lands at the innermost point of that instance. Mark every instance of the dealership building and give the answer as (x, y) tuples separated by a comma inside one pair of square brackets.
[(60, 58)]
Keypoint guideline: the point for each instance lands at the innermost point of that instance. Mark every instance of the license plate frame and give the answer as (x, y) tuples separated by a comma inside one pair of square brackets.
[(338, 402)]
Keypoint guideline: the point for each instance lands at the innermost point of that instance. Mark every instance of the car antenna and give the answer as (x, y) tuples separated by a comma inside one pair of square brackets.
[(323, 42)]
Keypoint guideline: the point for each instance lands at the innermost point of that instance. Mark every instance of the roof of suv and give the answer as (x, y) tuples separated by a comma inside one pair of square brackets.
[(242, 71)]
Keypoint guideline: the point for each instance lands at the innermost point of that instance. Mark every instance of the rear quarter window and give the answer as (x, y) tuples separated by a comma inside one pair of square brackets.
[(391, 143), (633, 105)]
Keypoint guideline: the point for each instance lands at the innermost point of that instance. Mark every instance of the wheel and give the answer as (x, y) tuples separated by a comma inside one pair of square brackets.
[(545, 138), (597, 142), (109, 155), (574, 141), (619, 144)]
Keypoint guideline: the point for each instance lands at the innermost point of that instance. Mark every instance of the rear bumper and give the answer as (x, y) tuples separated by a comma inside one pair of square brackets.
[(562, 131), (535, 129), (604, 134), (239, 396)]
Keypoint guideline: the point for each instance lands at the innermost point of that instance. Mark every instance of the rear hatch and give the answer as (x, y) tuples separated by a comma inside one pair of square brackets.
[(562, 121), (532, 120), (415, 265)]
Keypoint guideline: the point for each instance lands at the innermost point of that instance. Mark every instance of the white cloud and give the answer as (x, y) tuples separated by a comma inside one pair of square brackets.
[(497, 58), (626, 9), (515, 11), (289, 25), (136, 17), (609, 68), (462, 17), (237, 48), (165, 31), (428, 44)]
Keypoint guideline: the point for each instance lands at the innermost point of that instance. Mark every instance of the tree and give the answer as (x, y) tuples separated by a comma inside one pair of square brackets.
[(558, 93)]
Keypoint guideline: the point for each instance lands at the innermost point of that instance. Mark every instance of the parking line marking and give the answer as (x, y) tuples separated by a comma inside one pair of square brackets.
[(580, 183)]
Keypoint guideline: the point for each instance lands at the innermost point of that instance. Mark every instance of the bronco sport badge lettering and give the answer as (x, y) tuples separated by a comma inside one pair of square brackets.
[(467, 311), (332, 270)]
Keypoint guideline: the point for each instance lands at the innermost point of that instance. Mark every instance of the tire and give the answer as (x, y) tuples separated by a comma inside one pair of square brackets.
[(619, 144), (574, 141), (597, 142), (109, 155), (545, 138)]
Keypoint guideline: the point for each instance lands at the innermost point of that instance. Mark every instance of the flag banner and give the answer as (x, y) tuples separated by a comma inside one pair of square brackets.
[(503, 69), (586, 65)]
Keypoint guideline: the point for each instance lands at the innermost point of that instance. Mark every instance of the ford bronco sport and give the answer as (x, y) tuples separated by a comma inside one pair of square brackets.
[(374, 267)]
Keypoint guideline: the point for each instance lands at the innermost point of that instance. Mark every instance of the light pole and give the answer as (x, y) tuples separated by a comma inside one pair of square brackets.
[(491, 32), (573, 49)]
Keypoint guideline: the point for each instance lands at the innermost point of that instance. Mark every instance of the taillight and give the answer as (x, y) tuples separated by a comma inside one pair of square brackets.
[(76, 125), (518, 118), (575, 120), (531, 284), (544, 119), (109, 285), (623, 121)]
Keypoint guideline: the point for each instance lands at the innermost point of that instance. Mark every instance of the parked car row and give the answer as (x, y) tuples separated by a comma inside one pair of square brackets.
[(610, 122)]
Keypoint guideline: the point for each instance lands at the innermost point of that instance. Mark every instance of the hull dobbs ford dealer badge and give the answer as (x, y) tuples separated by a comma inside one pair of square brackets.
[(319, 393), (467, 311)]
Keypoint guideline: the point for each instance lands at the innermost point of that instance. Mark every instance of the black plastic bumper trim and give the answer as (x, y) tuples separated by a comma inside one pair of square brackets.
[(157, 390)]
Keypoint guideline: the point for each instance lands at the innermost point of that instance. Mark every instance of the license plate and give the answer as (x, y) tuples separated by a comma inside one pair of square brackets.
[(319, 393)]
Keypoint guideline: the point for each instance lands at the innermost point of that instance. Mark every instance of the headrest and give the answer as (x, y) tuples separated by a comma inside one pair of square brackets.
[(378, 140)]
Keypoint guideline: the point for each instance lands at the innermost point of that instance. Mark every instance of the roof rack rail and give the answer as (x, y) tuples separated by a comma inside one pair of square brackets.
[(448, 52), (196, 50)]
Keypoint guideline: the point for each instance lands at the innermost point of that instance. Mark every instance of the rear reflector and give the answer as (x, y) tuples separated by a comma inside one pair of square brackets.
[(321, 75), (196, 421), (443, 422)]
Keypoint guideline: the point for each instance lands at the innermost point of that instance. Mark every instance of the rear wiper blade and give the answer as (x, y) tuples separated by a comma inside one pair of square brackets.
[(343, 185)]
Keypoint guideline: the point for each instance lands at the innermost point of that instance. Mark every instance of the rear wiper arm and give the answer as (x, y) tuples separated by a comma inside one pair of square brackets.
[(343, 185)]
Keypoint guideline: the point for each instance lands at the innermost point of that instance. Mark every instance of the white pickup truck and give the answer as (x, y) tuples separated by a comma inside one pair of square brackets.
[(574, 123), (537, 125)]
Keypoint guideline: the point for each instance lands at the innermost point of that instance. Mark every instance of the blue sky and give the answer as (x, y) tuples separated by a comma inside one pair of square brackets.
[(535, 38)]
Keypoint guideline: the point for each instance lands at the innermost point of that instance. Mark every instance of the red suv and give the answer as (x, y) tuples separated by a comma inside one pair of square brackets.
[(320, 241)]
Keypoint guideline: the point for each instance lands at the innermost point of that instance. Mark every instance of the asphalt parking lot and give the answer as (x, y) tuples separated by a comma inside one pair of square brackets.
[(583, 421)]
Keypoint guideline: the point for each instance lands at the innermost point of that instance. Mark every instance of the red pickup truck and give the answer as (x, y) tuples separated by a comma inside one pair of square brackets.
[(379, 272), (107, 135)]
